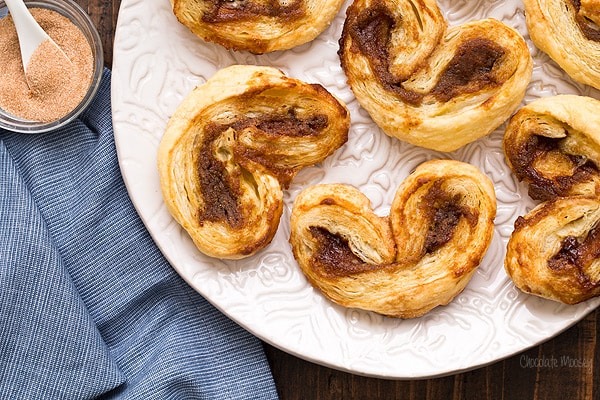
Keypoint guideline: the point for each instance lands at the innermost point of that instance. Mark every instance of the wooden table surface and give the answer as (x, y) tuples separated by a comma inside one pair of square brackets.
[(514, 378)]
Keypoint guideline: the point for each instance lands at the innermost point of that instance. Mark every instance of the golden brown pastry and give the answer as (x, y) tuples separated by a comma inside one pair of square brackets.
[(259, 26), (422, 255), (428, 85), (554, 251), (569, 32), (553, 144), (232, 145)]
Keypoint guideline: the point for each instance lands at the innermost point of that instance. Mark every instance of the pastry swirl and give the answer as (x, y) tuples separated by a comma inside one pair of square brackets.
[(554, 251), (553, 144), (419, 257), (233, 144), (569, 32), (427, 84), (259, 26)]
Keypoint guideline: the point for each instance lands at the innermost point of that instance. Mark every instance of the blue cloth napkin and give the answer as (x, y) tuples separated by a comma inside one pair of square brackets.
[(89, 308)]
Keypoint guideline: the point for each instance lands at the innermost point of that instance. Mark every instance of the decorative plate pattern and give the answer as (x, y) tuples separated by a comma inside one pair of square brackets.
[(157, 62)]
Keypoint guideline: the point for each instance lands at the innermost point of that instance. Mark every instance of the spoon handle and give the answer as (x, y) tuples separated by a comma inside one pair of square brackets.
[(31, 35)]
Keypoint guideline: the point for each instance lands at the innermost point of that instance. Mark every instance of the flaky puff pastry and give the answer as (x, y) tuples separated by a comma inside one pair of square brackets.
[(259, 26), (554, 251), (421, 256), (233, 144), (427, 84), (569, 32), (553, 144)]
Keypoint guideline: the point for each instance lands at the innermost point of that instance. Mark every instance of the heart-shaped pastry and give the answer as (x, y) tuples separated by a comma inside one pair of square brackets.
[(427, 84), (233, 144), (554, 251), (421, 256), (553, 144), (259, 26), (569, 32)]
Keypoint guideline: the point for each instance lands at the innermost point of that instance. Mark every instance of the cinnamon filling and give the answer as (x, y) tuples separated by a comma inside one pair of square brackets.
[(333, 256), (583, 16), (286, 125), (371, 32), (443, 212), (579, 254), (240, 10), (276, 125), (220, 189), (470, 70), (579, 168)]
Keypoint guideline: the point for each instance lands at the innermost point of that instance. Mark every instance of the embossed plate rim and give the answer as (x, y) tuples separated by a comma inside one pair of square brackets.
[(157, 61)]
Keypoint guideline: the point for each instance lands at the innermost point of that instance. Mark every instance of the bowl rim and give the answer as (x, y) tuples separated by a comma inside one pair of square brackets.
[(78, 16)]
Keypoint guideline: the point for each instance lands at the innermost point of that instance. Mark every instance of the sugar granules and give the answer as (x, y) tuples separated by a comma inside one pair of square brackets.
[(55, 87)]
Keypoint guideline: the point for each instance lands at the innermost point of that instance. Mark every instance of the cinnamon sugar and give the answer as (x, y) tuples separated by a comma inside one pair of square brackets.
[(54, 86)]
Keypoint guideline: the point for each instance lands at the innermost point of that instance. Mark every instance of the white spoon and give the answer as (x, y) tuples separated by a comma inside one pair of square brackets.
[(30, 33)]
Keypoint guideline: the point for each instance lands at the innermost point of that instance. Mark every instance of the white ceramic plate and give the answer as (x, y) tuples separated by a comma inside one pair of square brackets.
[(157, 62)]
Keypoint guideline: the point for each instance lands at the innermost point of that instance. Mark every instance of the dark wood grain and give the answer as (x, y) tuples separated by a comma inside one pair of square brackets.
[(514, 378), (510, 379), (104, 15)]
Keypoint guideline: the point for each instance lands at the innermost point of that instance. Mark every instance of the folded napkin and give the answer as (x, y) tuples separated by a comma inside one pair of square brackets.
[(89, 308)]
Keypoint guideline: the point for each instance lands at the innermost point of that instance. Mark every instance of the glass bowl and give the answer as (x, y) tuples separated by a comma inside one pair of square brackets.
[(82, 20)]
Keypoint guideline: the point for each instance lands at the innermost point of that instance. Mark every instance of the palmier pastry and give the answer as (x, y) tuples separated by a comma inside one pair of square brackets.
[(428, 85), (259, 26), (233, 144), (422, 255), (554, 251), (553, 144), (569, 32)]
